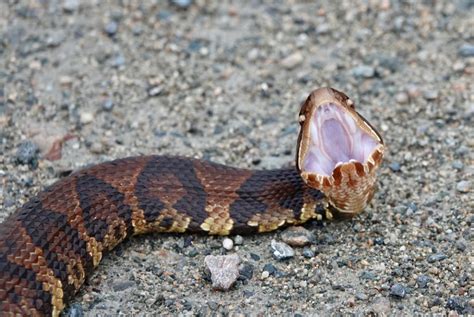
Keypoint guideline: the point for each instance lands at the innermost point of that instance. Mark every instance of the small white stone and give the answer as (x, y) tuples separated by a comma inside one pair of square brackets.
[(87, 117), (292, 60), (463, 186), (228, 244), (265, 274)]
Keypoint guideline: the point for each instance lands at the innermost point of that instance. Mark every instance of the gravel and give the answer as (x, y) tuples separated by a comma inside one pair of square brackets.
[(463, 186), (423, 281), (111, 28), (466, 50), (27, 153), (364, 71), (297, 236), (223, 81), (398, 291), (436, 257), (281, 251)]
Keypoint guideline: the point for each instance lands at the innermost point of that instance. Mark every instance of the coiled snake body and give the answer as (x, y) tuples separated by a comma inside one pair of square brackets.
[(50, 245)]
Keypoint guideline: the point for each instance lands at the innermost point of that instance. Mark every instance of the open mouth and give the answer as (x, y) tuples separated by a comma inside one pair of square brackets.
[(338, 150), (335, 138)]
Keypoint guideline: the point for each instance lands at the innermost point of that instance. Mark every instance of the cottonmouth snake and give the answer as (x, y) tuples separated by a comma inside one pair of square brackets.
[(51, 244)]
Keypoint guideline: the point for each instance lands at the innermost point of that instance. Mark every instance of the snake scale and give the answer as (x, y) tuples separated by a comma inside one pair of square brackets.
[(50, 245)]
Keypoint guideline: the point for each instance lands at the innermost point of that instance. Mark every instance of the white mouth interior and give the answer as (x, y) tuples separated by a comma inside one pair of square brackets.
[(335, 138)]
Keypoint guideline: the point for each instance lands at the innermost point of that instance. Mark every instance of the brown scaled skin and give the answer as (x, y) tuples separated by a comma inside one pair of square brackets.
[(50, 245)]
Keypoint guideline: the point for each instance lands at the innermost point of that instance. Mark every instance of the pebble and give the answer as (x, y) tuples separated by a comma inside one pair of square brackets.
[(108, 104), (246, 272), (154, 91), (122, 285), (458, 304), (391, 63), (381, 306), (71, 5), (323, 28), (117, 61), (252, 55), (238, 240), (430, 95), (281, 250), (401, 98), (293, 60), (270, 268), (254, 257), (361, 296), (463, 186), (398, 290), (74, 310), (297, 236), (461, 245), (182, 4), (367, 275), (395, 166), (466, 50), (111, 28), (351, 302), (412, 206), (423, 281), (436, 257), (224, 270), (86, 117), (363, 71), (27, 153), (413, 91), (97, 148), (228, 244), (379, 241), (192, 252), (459, 66), (265, 275), (308, 253), (248, 293), (457, 165)]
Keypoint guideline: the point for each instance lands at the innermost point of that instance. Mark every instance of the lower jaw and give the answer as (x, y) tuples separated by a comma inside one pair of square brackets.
[(349, 189)]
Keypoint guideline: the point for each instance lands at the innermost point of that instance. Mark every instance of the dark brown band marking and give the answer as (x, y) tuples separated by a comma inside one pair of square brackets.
[(166, 179), (94, 192), (51, 232), (249, 203)]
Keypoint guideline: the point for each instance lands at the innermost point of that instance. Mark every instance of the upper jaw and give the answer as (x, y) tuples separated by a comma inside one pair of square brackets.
[(338, 150)]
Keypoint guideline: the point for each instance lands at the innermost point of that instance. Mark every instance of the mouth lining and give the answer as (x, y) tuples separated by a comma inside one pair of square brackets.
[(335, 138)]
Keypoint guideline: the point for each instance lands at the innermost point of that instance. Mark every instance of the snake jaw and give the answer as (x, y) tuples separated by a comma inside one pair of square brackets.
[(338, 150)]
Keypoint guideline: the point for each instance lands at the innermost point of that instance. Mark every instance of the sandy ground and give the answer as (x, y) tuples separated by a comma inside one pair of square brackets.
[(223, 80)]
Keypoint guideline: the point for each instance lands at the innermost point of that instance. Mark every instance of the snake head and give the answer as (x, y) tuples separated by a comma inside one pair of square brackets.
[(338, 150)]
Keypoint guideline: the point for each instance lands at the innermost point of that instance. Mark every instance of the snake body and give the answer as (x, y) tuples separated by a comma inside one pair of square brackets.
[(50, 245)]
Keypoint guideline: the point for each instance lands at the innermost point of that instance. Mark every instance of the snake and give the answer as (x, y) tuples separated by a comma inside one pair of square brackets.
[(51, 244)]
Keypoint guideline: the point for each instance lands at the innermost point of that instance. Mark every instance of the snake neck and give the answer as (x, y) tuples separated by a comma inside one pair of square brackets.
[(270, 199)]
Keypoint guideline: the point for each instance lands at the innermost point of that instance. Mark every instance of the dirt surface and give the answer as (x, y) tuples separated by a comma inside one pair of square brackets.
[(87, 81)]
